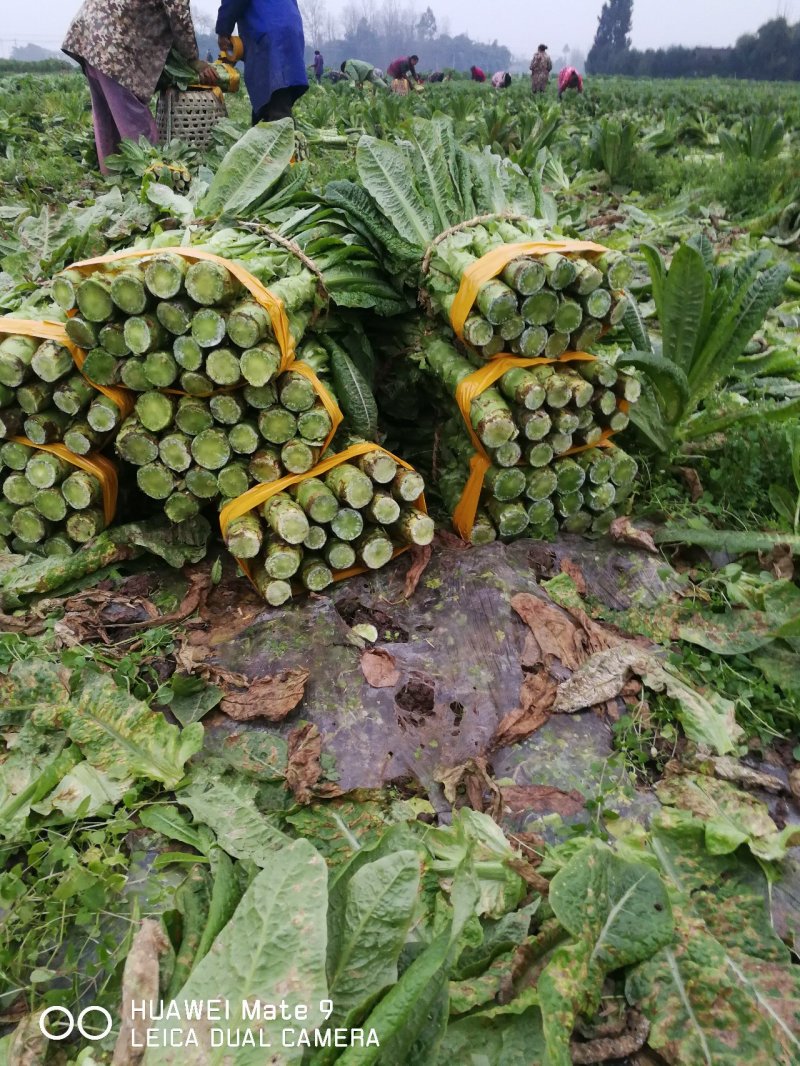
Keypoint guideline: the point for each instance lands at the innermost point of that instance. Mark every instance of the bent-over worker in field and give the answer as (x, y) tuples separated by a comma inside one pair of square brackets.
[(122, 46), (274, 63), (540, 68), (359, 72), (569, 78), (476, 74), (501, 79), (401, 71)]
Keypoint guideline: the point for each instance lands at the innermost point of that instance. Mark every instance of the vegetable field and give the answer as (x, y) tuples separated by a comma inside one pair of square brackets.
[(399, 606)]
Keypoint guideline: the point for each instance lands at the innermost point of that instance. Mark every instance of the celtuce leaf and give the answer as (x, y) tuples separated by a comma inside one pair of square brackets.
[(250, 169)]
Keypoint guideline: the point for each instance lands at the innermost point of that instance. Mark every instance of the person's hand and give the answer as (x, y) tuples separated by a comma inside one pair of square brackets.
[(206, 74), (225, 44)]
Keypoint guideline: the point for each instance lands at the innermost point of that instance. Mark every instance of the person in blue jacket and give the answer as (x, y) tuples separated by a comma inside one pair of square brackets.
[(274, 63)]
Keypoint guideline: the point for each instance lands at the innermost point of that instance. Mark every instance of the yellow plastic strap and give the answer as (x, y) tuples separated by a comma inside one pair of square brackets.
[(325, 397), (467, 391), (55, 331), (271, 303), (491, 264), (102, 468), (259, 495)]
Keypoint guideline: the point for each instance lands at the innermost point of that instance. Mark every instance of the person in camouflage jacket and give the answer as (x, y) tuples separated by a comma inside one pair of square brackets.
[(122, 46)]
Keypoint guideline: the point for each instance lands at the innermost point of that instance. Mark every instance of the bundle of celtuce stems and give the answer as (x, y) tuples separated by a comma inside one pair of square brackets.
[(355, 514)]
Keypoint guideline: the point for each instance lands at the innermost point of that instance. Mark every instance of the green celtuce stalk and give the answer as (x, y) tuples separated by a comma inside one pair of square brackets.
[(509, 454), (259, 365), (316, 499), (350, 485), (285, 518), (103, 415), (339, 555), (181, 505), (133, 376), (81, 490), (201, 483), (155, 411), (274, 592), (65, 289), (34, 397), (155, 480), (414, 527), (52, 361), (144, 333), (244, 536), (210, 449), (314, 424), (265, 466), (84, 334), (164, 274), (29, 525), (315, 574), (14, 455), (208, 327), (94, 298), (227, 408), (81, 439), (12, 422), (248, 324), (192, 416), (504, 483), (597, 304), (524, 387), (44, 470), (174, 451), (244, 438), (277, 425), (46, 427), (83, 526), (233, 480), (281, 560), (374, 549), (316, 538), (188, 353), (135, 444), (128, 290), (175, 316), (540, 483), (297, 457), (72, 394), (160, 369), (101, 367), (16, 355), (211, 284), (347, 524), (383, 509), (50, 504), (510, 519)]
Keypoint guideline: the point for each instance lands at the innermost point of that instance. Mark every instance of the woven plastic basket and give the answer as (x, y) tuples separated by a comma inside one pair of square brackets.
[(188, 116)]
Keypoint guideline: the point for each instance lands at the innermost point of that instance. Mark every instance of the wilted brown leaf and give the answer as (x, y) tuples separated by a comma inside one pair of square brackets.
[(553, 630), (693, 482), (196, 593), (272, 698), (613, 1047), (304, 768), (536, 698), (420, 557), (139, 985), (474, 778), (779, 562), (541, 799), (451, 541), (379, 668), (573, 571), (624, 532)]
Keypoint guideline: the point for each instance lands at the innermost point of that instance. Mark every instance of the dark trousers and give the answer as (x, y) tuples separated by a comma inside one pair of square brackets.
[(278, 106)]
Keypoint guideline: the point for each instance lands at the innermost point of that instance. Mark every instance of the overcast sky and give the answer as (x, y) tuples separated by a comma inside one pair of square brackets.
[(521, 24)]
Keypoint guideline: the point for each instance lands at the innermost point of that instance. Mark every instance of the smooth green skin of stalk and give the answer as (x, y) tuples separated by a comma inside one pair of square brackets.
[(504, 483), (181, 506), (570, 475), (534, 425), (58, 546), (29, 525), (600, 497), (540, 511), (539, 454), (260, 397), (103, 415), (210, 283), (244, 536), (133, 375), (222, 366), (163, 275), (260, 365), (210, 449), (568, 316), (507, 454), (265, 466), (44, 470), (81, 490), (35, 397), (135, 444), (539, 309), (50, 504), (144, 334), (196, 384), (277, 425), (202, 483), (65, 288), (315, 575), (94, 299), (129, 293), (383, 509), (81, 332), (296, 392), (316, 499), (174, 451), (347, 524), (155, 411), (175, 316), (577, 523), (101, 367), (285, 518), (46, 427), (340, 555), (227, 408), (297, 456), (314, 425), (15, 456), (233, 480), (6, 396), (316, 539), (282, 561), (155, 480), (160, 369), (72, 396), (192, 416), (52, 361), (243, 438), (84, 525), (80, 438), (188, 353), (374, 549), (541, 483), (598, 303), (510, 519), (208, 327), (13, 370), (569, 503), (248, 323)]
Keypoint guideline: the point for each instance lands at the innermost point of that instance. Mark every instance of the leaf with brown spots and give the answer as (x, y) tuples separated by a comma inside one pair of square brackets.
[(379, 668), (536, 699), (272, 697), (779, 562), (542, 799), (420, 557), (471, 781), (139, 985), (623, 532)]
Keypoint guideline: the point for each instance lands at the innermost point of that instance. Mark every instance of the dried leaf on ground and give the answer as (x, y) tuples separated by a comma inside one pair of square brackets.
[(692, 481), (379, 668), (420, 557), (474, 778), (536, 699), (28, 1045), (542, 799), (602, 677), (730, 769), (304, 768), (613, 1047), (572, 570), (272, 697), (139, 985), (30, 626), (451, 541), (779, 562), (794, 782), (553, 630), (199, 587), (624, 532)]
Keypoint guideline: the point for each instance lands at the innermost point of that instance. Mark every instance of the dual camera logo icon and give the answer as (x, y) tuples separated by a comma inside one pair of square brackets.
[(69, 1023)]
